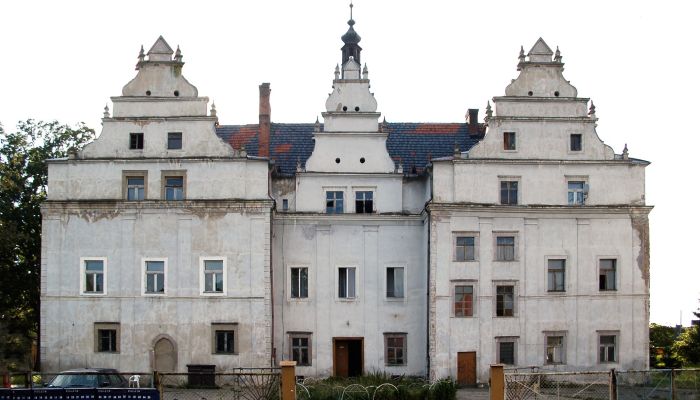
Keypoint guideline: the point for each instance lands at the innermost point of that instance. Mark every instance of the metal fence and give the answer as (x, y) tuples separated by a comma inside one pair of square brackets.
[(80, 379), (680, 384), (238, 384)]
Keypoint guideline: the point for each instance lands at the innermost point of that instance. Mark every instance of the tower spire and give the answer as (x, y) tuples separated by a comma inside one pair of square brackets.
[(351, 48)]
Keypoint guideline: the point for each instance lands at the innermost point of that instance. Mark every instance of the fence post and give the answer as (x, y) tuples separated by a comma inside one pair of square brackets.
[(673, 384), (497, 379), (155, 382), (289, 384), (6, 379), (613, 384), (28, 379)]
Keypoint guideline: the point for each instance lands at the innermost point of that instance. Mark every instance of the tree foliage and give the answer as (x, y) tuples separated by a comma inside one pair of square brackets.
[(661, 340), (23, 182)]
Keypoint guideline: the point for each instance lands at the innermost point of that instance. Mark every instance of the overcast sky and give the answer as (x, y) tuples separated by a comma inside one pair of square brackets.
[(429, 61)]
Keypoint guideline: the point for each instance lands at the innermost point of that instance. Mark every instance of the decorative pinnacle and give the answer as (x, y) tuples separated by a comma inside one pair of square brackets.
[(351, 6), (106, 113), (299, 165), (489, 112), (142, 55), (365, 72), (625, 153), (591, 110), (337, 71), (521, 57), (457, 151), (317, 125), (557, 55), (178, 54)]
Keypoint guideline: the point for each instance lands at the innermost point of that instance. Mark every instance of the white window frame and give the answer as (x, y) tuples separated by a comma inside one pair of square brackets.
[(343, 189), (566, 274), (372, 189), (507, 339), (614, 333), (82, 276), (474, 235), (337, 283), (618, 264), (144, 279), (564, 346), (202, 277), (386, 269), (289, 283), (516, 245), (514, 284)]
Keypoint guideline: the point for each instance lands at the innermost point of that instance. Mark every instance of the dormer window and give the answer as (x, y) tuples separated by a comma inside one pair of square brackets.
[(509, 141), (136, 141), (174, 140)]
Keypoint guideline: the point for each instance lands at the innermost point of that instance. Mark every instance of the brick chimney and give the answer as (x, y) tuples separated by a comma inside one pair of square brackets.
[(473, 122), (264, 121)]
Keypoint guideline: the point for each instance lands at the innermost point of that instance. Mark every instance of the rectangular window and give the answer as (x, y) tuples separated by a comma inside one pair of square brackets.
[(300, 283), (505, 248), (300, 349), (94, 275), (106, 337), (576, 193), (464, 301), (136, 141), (135, 188), (174, 188), (555, 275), (395, 348), (509, 192), (155, 277), (607, 346), (608, 272), (364, 203), (555, 349), (506, 351), (334, 202), (174, 140), (575, 143), (346, 283), (465, 248), (224, 338), (394, 282), (213, 275), (505, 301), (285, 205), (508, 140)]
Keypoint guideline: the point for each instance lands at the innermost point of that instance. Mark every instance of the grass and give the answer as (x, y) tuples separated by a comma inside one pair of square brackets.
[(377, 386)]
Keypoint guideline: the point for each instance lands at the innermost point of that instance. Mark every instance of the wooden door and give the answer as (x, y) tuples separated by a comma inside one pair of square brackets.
[(466, 368), (165, 356), (341, 358)]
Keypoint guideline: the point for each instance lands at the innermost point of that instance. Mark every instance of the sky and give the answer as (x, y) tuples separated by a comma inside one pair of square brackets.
[(428, 61)]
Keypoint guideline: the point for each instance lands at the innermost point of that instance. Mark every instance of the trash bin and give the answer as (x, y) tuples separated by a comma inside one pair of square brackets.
[(201, 375)]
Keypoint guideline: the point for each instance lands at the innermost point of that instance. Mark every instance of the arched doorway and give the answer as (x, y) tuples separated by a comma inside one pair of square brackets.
[(165, 355)]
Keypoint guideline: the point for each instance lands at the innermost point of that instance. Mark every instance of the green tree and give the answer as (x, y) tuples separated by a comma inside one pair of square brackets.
[(23, 181), (661, 339), (687, 347)]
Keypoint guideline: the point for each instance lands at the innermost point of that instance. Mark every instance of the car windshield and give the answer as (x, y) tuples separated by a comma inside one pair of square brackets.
[(86, 380)]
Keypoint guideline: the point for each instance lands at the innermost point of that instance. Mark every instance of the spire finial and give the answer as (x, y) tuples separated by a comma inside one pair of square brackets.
[(351, 6), (317, 125), (625, 153), (106, 113), (521, 56), (557, 55), (337, 72), (489, 112), (365, 72), (178, 54)]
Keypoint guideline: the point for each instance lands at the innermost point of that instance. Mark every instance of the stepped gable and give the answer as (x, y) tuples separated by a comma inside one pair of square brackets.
[(412, 144)]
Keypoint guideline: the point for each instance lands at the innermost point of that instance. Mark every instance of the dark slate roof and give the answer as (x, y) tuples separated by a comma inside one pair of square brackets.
[(409, 143)]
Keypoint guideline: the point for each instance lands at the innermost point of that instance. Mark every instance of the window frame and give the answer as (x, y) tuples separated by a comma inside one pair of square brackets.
[(547, 335), (224, 327), (549, 259), (518, 190), (136, 135), (337, 283), (202, 277), (396, 335), (514, 311), (126, 174), (106, 326), (358, 190), (290, 346), (144, 276), (516, 243), (326, 191), (308, 283), (167, 145), (510, 145), (507, 339), (83, 277), (386, 282), (616, 269), (165, 174), (453, 296), (455, 245), (616, 347), (571, 147)]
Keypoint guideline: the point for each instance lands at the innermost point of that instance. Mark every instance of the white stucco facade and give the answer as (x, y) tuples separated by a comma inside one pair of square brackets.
[(167, 236)]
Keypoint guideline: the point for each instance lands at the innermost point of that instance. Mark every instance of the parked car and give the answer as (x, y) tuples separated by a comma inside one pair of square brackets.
[(88, 378)]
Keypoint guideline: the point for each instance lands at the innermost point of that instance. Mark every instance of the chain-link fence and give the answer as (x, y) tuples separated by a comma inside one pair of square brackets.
[(239, 384), (642, 385), (564, 385)]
